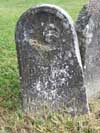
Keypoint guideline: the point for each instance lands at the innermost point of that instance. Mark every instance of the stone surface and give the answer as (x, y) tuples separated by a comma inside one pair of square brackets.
[(49, 61), (88, 31)]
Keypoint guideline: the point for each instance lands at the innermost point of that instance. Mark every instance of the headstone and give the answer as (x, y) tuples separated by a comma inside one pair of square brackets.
[(49, 61), (88, 31)]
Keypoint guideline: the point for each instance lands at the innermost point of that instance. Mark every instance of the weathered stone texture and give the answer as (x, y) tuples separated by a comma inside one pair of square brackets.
[(88, 30), (49, 61)]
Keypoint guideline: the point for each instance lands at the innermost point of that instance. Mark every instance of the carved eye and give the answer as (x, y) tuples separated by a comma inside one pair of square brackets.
[(51, 33)]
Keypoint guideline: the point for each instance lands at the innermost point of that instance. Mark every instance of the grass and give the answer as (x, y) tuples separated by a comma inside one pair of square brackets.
[(12, 119), (19, 122)]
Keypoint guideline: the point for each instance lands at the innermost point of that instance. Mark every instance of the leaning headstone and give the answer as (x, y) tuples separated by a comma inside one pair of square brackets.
[(49, 61), (88, 31)]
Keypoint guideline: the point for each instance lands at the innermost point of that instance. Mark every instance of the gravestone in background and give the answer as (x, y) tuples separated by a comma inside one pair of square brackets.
[(88, 31), (49, 61)]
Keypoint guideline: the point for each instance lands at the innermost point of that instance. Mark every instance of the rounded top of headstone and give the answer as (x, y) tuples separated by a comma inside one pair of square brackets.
[(53, 9), (46, 18)]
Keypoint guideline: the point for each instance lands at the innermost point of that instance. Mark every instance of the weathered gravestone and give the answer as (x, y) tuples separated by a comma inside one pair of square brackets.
[(88, 31), (49, 61)]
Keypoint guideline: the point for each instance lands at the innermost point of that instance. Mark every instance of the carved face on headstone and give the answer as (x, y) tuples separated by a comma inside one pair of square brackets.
[(51, 33), (50, 67)]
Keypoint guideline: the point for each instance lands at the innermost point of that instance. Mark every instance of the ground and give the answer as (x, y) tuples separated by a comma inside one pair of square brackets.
[(11, 117)]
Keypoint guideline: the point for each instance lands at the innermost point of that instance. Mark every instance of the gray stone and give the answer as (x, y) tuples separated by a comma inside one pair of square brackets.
[(88, 31), (49, 61)]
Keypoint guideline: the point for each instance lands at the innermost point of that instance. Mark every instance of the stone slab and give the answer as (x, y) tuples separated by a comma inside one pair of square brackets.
[(88, 31), (49, 61)]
